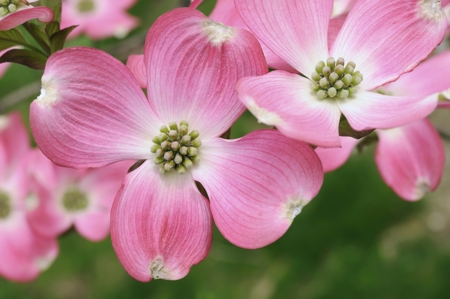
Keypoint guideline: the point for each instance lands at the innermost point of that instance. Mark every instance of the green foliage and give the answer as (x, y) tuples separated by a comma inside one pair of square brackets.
[(34, 60), (11, 38)]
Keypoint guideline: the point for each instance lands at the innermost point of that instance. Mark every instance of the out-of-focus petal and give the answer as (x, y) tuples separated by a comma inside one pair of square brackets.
[(431, 76), (14, 137), (26, 13), (193, 70), (136, 65), (296, 31), (387, 38), (257, 184), (341, 7), (91, 111), (195, 3), (284, 100), (371, 110), (411, 159), (334, 157), (160, 224)]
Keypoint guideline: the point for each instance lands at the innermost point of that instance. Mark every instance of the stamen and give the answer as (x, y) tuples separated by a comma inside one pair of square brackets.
[(334, 79), (74, 200), (175, 148), (5, 205), (10, 6)]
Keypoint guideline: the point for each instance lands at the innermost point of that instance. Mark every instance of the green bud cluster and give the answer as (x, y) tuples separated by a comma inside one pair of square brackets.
[(175, 148), (85, 6), (5, 205), (74, 200), (8, 6), (335, 79)]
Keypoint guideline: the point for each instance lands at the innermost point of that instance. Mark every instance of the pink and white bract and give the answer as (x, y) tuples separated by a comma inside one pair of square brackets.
[(98, 18), (79, 197), (92, 112), (340, 76), (24, 254), (25, 13)]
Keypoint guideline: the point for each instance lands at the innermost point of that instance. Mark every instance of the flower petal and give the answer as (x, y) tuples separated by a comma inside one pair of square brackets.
[(160, 224), (91, 111), (193, 65), (43, 13), (257, 184), (136, 65), (296, 31), (371, 110), (411, 159), (14, 137), (294, 110), (334, 157), (387, 38), (195, 3), (334, 28)]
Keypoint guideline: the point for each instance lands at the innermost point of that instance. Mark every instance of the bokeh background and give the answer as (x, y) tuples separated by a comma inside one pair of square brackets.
[(356, 239)]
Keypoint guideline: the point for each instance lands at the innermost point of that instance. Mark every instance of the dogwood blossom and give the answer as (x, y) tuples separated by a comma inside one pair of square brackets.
[(92, 112)]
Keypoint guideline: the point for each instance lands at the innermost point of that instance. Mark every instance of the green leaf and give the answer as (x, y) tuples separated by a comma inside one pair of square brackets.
[(51, 28), (58, 39), (54, 5), (39, 35), (11, 38), (29, 58), (346, 130)]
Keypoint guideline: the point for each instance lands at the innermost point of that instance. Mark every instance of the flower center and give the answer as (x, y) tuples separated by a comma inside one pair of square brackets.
[(175, 148), (74, 200), (8, 6), (334, 79), (5, 205), (85, 6)]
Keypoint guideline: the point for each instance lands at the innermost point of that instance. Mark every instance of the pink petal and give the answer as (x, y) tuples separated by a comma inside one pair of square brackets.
[(334, 157), (91, 111), (334, 28), (117, 24), (430, 77), (257, 184), (136, 65), (386, 38), (3, 66), (294, 110), (14, 137), (371, 110), (94, 226), (43, 13), (193, 70), (296, 32), (341, 7), (160, 224), (411, 159), (195, 3), (24, 254)]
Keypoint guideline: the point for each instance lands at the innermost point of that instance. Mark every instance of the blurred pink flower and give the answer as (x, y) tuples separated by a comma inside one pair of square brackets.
[(13, 15), (92, 112), (79, 197), (98, 18), (340, 76), (3, 66), (24, 253)]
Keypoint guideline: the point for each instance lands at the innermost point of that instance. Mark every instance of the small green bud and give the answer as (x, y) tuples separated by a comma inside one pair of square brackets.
[(194, 134), (169, 165), (178, 159), (340, 61), (347, 79), (184, 130), (163, 137), (326, 71), (184, 123), (181, 169), (12, 7), (4, 2), (195, 158), (183, 150), (319, 66), (352, 64), (339, 69), (333, 77), (339, 84), (331, 63), (322, 94), (15, 2), (173, 134), (175, 145), (349, 69), (173, 126), (156, 140), (154, 148), (185, 140), (356, 80), (164, 129), (168, 156), (343, 94), (187, 162), (162, 170), (192, 151), (324, 83), (315, 76), (352, 91), (160, 152), (315, 87), (197, 143), (332, 92), (158, 160), (165, 145)]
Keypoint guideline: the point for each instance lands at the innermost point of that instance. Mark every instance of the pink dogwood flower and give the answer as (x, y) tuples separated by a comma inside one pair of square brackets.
[(79, 197), (410, 158), (98, 18), (92, 112), (379, 41), (16, 12), (24, 253)]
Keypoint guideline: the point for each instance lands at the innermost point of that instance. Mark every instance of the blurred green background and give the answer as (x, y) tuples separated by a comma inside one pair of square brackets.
[(356, 239)]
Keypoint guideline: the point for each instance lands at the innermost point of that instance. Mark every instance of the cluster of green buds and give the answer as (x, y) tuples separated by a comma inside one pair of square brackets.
[(74, 200), (176, 148), (8, 6), (5, 205), (334, 79)]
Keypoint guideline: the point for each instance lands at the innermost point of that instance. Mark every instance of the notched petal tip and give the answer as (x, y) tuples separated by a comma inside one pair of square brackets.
[(158, 270), (423, 187), (263, 115), (292, 208), (431, 9), (217, 33), (48, 96)]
